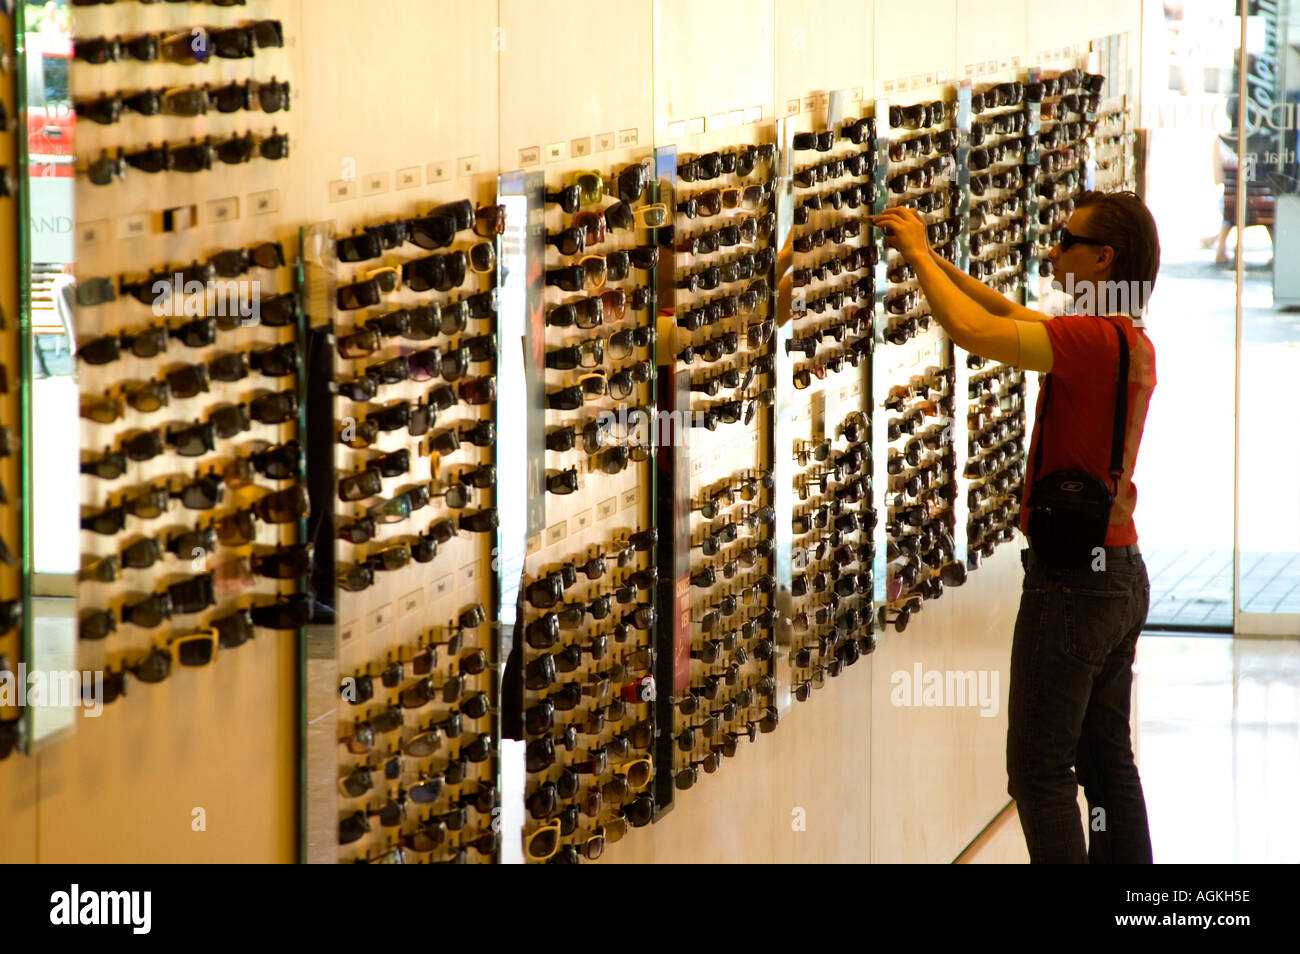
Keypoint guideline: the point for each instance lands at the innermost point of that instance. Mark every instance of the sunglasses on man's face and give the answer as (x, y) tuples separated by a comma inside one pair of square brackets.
[(1069, 239)]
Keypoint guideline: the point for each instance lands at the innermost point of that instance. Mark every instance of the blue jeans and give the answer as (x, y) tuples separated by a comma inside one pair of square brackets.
[(1071, 679)]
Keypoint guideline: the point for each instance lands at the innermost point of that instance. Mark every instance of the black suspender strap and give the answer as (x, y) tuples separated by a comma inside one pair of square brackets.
[(1121, 416), (1121, 411)]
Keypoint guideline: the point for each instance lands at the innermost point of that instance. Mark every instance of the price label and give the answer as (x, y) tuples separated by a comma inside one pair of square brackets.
[(264, 203), (341, 190), (223, 210)]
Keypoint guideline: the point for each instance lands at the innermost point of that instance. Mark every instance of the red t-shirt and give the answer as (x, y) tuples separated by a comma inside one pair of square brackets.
[(1085, 359)]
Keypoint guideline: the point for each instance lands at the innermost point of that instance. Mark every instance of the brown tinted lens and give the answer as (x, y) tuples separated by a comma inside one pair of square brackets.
[(614, 302), (490, 220), (236, 529), (103, 411), (238, 473), (283, 506), (709, 203)]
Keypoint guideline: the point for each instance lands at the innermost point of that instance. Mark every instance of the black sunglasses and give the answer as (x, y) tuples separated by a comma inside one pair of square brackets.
[(1069, 239)]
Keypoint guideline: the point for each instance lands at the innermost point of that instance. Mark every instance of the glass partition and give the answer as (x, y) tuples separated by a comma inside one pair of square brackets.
[(1267, 263), (51, 459), (1219, 517), (1189, 424), (51, 127)]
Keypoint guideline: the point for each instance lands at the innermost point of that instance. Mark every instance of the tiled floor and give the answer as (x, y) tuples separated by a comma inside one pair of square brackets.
[(1190, 587), (1218, 746)]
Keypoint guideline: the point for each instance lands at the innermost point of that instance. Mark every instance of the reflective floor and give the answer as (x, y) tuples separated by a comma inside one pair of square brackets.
[(1218, 748)]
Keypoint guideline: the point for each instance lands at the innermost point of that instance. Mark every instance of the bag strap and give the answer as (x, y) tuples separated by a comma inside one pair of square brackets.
[(1121, 416), (1121, 411), (1038, 448)]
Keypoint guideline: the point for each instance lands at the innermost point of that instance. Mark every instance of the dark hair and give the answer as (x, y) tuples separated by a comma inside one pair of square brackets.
[(1123, 217)]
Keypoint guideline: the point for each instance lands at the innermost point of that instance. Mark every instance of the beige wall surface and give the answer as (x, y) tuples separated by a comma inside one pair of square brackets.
[(396, 84), (850, 777)]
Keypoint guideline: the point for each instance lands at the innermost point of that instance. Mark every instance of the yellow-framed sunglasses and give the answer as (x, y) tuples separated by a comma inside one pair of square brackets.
[(590, 183), (638, 772), (196, 649), (542, 843), (387, 278)]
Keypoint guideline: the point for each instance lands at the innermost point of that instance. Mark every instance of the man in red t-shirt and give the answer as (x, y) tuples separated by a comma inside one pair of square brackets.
[(1077, 629)]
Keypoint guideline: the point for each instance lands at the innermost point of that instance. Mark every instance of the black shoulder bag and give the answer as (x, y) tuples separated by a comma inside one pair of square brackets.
[(1069, 510)]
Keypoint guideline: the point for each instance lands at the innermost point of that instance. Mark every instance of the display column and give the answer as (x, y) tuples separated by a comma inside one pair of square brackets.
[(416, 350), (913, 376), (672, 497), (590, 583), (991, 394), (718, 267), (830, 290)]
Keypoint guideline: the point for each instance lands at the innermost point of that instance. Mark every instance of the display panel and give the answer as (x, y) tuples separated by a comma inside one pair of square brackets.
[(585, 645), (415, 299), (188, 344), (832, 283), (1002, 206), (913, 374), (718, 319)]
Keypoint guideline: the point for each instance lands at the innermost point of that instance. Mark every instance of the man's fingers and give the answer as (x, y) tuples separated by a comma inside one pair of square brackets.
[(893, 215)]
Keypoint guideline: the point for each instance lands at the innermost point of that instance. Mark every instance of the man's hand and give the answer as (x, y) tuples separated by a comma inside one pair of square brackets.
[(905, 231)]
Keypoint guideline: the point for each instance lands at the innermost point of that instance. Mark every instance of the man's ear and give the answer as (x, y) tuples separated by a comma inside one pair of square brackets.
[(1105, 257)]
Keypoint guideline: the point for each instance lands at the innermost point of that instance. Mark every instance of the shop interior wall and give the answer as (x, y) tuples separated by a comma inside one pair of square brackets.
[(402, 85), (398, 117), (202, 767)]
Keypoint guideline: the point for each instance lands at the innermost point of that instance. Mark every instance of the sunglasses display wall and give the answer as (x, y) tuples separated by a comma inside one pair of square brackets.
[(418, 748), (926, 158), (921, 172), (585, 649), (719, 268), (864, 493), (189, 372), (1001, 149), (11, 429), (414, 304), (920, 521), (1002, 222), (1115, 149), (175, 73), (833, 576), (190, 466), (832, 340), (1068, 117), (994, 468)]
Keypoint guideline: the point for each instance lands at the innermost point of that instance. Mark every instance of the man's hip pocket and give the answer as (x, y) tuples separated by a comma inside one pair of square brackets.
[(1094, 621)]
